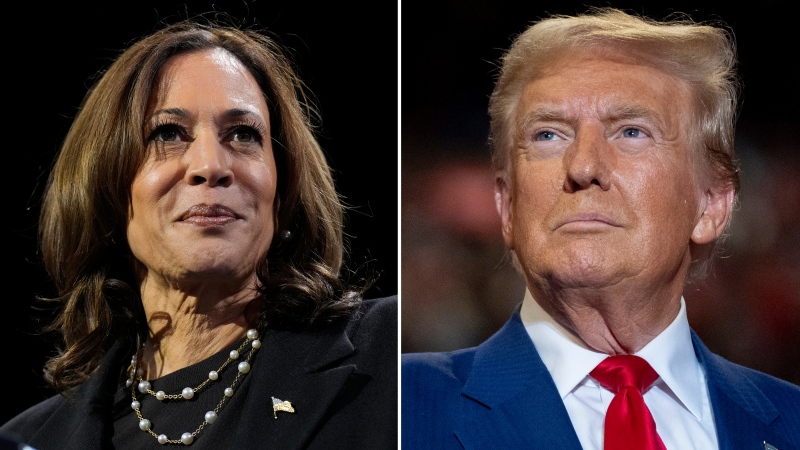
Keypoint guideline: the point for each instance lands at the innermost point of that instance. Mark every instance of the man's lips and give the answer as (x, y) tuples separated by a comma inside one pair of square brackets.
[(205, 214), (587, 220)]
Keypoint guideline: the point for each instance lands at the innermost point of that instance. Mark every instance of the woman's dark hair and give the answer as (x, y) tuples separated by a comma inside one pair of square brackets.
[(87, 200)]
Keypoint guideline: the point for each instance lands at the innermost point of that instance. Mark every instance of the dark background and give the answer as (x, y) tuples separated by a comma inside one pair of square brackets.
[(52, 60), (457, 284)]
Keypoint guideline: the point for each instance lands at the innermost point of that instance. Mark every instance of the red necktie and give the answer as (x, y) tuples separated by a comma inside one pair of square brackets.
[(629, 424)]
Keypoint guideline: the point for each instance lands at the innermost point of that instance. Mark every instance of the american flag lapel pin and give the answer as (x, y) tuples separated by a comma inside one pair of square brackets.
[(281, 405)]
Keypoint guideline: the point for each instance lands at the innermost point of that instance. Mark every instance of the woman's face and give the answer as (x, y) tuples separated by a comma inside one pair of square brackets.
[(202, 203)]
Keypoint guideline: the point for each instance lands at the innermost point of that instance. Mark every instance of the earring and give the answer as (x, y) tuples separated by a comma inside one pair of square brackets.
[(286, 235)]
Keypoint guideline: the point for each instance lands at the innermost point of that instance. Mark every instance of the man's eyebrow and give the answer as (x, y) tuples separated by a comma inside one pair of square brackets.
[(613, 113), (545, 114), (622, 112)]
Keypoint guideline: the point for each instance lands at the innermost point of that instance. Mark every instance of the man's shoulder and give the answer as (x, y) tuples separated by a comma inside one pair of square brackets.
[(728, 374), (747, 379), (770, 383), (431, 396), (452, 365), (439, 370), (745, 399)]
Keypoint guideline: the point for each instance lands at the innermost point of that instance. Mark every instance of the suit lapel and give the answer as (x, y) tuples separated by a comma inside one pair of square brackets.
[(742, 413), (305, 369), (88, 415), (87, 419), (510, 399)]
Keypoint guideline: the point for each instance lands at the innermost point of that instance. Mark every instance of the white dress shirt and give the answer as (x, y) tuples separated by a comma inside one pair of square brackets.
[(678, 399)]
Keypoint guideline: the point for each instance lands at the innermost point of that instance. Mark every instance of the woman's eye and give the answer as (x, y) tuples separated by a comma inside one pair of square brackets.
[(632, 133), (166, 133), (245, 134), (544, 136)]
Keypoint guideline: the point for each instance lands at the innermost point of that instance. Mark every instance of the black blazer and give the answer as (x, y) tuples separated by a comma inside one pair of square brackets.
[(341, 381)]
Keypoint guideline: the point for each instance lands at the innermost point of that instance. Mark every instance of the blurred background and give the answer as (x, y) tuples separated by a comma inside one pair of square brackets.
[(458, 286), (58, 50)]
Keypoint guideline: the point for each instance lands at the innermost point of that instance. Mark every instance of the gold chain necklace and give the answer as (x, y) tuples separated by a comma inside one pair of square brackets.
[(135, 382)]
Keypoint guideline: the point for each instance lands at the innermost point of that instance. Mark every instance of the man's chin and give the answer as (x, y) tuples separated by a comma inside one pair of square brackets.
[(579, 273)]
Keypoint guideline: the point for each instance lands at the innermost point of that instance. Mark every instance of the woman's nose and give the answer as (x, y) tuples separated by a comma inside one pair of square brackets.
[(208, 162)]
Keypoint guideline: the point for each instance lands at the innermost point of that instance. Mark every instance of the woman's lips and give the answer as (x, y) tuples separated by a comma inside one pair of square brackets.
[(209, 215)]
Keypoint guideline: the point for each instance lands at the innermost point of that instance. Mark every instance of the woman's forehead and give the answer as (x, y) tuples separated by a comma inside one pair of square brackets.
[(213, 79)]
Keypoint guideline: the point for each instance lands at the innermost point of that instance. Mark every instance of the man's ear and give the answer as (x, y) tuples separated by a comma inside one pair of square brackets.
[(717, 205), (502, 199)]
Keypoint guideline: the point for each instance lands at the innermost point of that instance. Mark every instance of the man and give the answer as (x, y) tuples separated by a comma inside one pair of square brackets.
[(615, 176)]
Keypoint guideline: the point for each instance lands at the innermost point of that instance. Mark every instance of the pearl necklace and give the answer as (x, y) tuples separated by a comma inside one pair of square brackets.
[(188, 393)]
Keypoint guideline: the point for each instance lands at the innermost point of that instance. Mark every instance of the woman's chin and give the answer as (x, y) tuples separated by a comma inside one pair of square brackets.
[(194, 277), (211, 263)]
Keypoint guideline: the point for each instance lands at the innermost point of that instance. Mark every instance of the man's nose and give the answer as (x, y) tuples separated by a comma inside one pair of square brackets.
[(208, 162), (587, 161)]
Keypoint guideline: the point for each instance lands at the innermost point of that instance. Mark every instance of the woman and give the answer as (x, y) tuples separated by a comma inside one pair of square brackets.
[(192, 228)]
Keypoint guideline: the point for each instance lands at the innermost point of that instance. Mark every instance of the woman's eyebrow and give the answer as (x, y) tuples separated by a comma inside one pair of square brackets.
[(171, 111), (227, 114), (238, 112)]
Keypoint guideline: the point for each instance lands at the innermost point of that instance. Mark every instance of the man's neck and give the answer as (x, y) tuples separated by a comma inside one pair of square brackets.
[(611, 321)]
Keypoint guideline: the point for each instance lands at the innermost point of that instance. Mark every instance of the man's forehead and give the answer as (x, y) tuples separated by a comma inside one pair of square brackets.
[(622, 56), (610, 86)]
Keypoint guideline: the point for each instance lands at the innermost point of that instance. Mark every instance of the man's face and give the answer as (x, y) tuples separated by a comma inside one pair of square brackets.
[(603, 185)]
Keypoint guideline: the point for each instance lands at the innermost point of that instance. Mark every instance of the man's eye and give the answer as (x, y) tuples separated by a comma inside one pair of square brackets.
[(632, 133), (545, 136)]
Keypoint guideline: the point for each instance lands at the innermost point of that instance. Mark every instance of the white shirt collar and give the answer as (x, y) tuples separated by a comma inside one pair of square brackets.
[(569, 360)]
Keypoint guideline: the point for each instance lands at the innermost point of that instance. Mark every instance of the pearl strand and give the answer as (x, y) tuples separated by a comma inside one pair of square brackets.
[(188, 393)]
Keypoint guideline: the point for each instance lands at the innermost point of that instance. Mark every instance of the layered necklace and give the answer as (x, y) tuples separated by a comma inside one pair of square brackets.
[(244, 353)]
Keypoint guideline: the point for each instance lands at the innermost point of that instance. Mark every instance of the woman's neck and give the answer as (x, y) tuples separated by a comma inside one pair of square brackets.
[(186, 328)]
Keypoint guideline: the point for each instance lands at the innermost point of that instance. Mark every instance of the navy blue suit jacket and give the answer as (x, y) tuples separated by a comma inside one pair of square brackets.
[(500, 395)]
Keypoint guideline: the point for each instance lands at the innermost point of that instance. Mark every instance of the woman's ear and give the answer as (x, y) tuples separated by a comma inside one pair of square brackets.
[(717, 209)]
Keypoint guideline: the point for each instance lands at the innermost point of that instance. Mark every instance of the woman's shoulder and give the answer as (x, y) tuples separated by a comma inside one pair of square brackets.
[(66, 416), (25, 425), (373, 329), (375, 315), (384, 307)]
